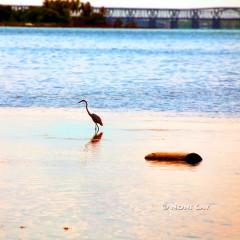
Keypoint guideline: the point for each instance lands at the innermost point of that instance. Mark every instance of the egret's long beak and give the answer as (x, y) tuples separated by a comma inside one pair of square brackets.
[(80, 101)]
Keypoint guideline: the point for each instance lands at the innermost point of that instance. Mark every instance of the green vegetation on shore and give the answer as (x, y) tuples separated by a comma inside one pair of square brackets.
[(63, 12)]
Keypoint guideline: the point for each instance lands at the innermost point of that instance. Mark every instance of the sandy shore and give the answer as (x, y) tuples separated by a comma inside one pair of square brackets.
[(53, 175)]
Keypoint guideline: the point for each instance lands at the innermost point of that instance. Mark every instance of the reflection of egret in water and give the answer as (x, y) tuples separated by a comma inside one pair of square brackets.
[(93, 145), (96, 138)]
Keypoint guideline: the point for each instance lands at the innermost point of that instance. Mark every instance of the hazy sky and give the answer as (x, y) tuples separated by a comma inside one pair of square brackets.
[(145, 3)]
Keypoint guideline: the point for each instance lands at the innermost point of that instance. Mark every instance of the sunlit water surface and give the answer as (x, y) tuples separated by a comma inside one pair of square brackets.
[(53, 175), (160, 70)]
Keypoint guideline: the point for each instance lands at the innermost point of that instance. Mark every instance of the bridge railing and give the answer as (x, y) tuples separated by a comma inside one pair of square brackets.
[(205, 13)]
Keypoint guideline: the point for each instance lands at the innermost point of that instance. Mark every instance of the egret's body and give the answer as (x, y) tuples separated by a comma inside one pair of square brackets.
[(96, 119)]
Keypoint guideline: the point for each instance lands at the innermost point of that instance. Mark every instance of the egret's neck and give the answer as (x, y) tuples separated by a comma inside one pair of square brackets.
[(87, 108)]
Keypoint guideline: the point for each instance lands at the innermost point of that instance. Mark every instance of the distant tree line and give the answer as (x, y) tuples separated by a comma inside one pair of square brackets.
[(55, 11)]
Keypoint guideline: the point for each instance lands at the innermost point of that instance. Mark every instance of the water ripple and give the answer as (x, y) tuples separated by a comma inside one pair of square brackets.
[(181, 71)]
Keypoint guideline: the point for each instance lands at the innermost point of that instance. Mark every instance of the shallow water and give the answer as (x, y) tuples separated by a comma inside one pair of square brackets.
[(53, 176), (160, 70)]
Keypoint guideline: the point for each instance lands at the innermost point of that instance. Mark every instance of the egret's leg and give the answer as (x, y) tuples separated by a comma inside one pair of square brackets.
[(97, 128)]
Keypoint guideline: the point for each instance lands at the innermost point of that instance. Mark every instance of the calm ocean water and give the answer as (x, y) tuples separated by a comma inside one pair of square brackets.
[(159, 70)]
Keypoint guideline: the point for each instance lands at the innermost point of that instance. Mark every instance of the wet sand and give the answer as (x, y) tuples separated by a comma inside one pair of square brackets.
[(57, 182)]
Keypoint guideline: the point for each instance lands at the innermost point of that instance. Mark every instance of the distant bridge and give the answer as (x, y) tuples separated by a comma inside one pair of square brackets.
[(152, 17), (175, 15)]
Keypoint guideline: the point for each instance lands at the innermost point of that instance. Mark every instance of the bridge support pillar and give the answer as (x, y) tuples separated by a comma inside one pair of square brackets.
[(195, 23), (152, 23), (216, 20), (174, 23), (216, 23), (130, 23), (195, 18), (174, 14)]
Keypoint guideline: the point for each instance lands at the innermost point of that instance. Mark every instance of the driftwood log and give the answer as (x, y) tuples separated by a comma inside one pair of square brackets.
[(191, 158)]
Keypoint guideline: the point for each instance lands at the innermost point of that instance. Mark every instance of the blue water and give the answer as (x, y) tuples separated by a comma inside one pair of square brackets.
[(160, 70)]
